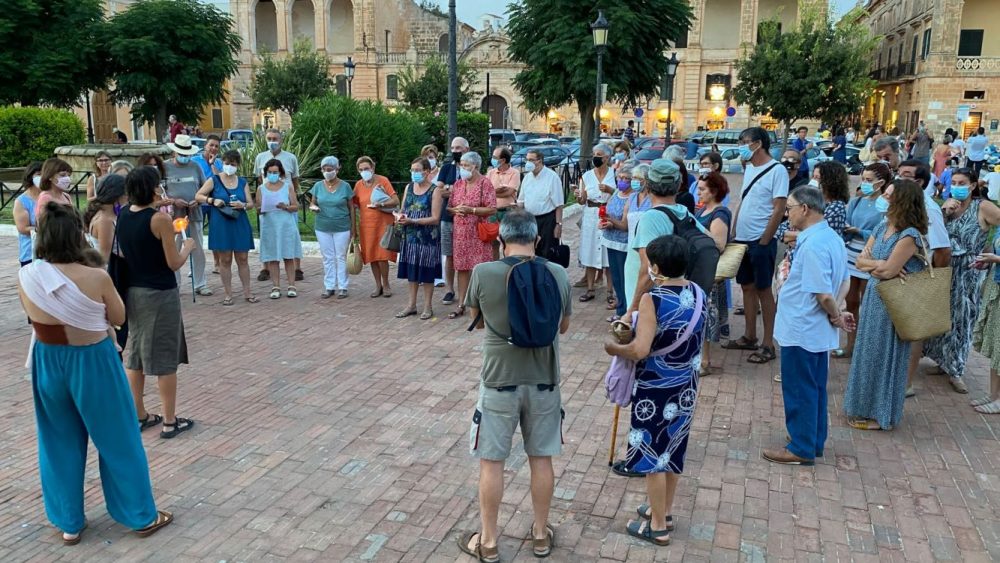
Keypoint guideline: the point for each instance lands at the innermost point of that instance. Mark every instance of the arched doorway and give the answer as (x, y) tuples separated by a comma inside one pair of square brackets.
[(496, 107), (265, 27), (303, 23), (340, 27)]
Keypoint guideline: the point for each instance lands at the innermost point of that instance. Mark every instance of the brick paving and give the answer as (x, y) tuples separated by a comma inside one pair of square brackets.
[(330, 431)]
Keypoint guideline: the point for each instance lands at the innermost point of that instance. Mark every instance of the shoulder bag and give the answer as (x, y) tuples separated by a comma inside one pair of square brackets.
[(746, 191), (392, 237), (225, 210), (487, 230), (920, 305)]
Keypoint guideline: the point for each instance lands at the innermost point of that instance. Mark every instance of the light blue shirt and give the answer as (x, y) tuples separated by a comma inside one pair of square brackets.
[(208, 169), (820, 266), (975, 147)]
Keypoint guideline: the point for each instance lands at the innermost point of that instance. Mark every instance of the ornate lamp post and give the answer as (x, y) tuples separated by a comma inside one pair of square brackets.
[(672, 64), (349, 72), (600, 30)]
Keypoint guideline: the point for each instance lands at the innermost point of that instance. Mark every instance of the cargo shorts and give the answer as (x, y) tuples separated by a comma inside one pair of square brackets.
[(499, 411)]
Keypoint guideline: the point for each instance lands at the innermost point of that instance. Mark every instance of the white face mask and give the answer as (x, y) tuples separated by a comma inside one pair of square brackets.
[(529, 166), (63, 183), (465, 174), (229, 169), (652, 275), (814, 183), (366, 175), (36, 180), (433, 162), (330, 175)]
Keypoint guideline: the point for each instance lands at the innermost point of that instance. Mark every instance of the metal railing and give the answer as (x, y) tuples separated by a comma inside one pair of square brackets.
[(8, 195)]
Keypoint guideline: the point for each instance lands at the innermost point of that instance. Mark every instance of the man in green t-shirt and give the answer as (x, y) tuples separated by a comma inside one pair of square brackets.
[(518, 385)]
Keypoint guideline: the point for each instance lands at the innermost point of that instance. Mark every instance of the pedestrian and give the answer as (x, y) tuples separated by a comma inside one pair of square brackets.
[(593, 191), (229, 232), (156, 344), (840, 146), (639, 202), (762, 205), (210, 162), (445, 183), (374, 202), (518, 385), (689, 185), (989, 183), (420, 248), (709, 162), (102, 166), (921, 140), (629, 134), (807, 324), (876, 384), (290, 163), (623, 153), (717, 219), (506, 181), (986, 334), (957, 150), (801, 144), (667, 342), (278, 206), (969, 220), (79, 387), (864, 213), (100, 221), (541, 195), (25, 219), (184, 179), (176, 127), (120, 137), (53, 185), (473, 200), (122, 167), (333, 201), (831, 179), (976, 149), (942, 156), (614, 237)]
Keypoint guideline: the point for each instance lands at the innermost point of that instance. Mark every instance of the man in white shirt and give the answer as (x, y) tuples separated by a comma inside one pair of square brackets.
[(762, 206), (291, 165), (975, 149), (541, 194), (992, 183)]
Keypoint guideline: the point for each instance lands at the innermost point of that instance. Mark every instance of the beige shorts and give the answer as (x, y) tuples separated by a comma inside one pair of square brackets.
[(498, 413)]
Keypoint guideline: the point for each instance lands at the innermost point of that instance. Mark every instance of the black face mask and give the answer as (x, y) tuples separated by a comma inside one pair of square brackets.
[(456, 156), (790, 164), (598, 161)]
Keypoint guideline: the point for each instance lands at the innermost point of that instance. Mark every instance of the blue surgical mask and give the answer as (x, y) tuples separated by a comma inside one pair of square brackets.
[(273, 177), (636, 184), (494, 162), (961, 193), (465, 174), (867, 188), (181, 159), (881, 204), (273, 145), (745, 152), (619, 156), (417, 177), (529, 166)]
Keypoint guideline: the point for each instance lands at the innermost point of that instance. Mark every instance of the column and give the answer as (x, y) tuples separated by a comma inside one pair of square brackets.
[(283, 19), (748, 21), (320, 16)]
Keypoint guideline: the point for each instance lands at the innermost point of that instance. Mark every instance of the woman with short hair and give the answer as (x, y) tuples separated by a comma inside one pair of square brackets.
[(614, 232), (102, 167), (333, 202), (24, 211), (374, 201), (278, 206), (473, 200), (420, 248), (430, 152), (717, 219)]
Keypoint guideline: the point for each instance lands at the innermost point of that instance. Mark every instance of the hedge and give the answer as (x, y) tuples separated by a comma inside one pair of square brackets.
[(475, 127), (31, 133)]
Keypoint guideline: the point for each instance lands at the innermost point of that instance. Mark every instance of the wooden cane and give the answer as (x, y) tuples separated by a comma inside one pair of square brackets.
[(614, 436)]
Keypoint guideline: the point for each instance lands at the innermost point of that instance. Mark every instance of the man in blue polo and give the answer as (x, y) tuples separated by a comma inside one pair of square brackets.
[(802, 144)]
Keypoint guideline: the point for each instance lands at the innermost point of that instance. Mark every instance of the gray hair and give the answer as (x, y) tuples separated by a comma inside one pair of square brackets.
[(330, 161), (519, 227), (628, 167), (274, 130), (891, 142), (461, 140), (641, 171), (121, 165), (809, 197), (603, 147), (473, 158), (675, 153)]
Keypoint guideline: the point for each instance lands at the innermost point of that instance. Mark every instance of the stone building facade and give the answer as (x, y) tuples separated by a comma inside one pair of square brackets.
[(938, 62)]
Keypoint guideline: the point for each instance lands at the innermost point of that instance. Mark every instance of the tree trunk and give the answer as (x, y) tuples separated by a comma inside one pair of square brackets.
[(160, 124), (587, 140), (784, 136)]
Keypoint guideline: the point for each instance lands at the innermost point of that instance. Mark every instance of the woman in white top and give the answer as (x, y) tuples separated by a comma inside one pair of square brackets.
[(593, 192), (279, 228)]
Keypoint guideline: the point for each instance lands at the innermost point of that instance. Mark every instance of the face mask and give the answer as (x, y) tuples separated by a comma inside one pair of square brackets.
[(746, 153), (961, 193), (619, 156), (456, 156), (181, 159), (704, 171), (36, 181), (652, 274), (366, 175), (465, 174), (788, 164), (118, 209), (636, 185), (417, 177), (814, 183), (433, 162), (529, 166), (63, 183), (881, 204), (495, 163), (330, 175), (273, 146), (229, 169), (867, 188), (624, 184), (598, 161), (273, 177)]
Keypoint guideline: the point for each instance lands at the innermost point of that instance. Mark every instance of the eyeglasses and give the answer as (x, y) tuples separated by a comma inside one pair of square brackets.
[(790, 207), (103, 160)]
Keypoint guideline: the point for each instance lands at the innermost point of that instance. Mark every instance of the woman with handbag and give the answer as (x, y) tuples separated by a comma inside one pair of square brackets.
[(614, 236), (473, 200), (420, 239), (374, 199), (668, 339), (876, 384), (229, 233), (280, 242), (718, 219), (333, 202), (969, 220)]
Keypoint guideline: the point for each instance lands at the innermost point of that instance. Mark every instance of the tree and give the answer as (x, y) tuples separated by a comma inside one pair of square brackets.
[(171, 57), (52, 53), (287, 83), (552, 38), (429, 90), (818, 71)]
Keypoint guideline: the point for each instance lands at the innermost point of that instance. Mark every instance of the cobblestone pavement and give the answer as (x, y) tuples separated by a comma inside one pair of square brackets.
[(330, 431)]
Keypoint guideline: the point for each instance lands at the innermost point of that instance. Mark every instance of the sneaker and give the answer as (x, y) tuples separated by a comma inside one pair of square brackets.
[(264, 275), (328, 293), (342, 294), (449, 298), (958, 385), (438, 283)]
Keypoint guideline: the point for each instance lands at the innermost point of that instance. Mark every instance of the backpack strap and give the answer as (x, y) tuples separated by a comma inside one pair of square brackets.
[(698, 306), (754, 181), (513, 262)]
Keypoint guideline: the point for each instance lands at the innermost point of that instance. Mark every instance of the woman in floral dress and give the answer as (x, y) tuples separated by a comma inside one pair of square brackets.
[(667, 352), (472, 200), (969, 220), (420, 250)]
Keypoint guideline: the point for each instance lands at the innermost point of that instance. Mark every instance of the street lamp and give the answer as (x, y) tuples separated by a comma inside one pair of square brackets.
[(671, 74), (349, 71), (600, 30)]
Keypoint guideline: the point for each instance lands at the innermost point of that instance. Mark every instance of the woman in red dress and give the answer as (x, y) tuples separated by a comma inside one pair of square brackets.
[(473, 201)]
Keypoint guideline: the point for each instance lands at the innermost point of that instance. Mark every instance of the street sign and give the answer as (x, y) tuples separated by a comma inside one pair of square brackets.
[(637, 112), (730, 111)]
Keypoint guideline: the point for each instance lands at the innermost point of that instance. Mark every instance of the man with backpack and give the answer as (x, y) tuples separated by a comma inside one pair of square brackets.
[(524, 304)]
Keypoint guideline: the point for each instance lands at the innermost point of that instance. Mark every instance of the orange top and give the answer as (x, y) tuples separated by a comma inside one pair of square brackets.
[(372, 222)]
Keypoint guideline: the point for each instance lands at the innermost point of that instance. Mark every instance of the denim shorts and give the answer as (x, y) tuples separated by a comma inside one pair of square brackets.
[(757, 267), (538, 409)]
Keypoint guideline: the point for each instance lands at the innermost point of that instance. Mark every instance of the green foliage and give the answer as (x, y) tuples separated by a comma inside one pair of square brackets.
[(52, 51), (28, 133), (552, 38), (817, 71), (307, 149), (429, 89), (430, 6), (475, 127), (287, 83), (171, 56), (349, 128)]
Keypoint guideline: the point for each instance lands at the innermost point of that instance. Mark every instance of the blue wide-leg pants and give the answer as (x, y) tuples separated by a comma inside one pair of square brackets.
[(803, 386)]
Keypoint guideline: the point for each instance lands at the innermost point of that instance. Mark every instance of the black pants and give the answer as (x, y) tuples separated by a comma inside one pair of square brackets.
[(976, 165), (546, 234)]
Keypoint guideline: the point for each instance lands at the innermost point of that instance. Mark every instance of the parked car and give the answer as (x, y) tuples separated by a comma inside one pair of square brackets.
[(731, 163), (530, 135), (728, 138), (551, 155), (501, 137), (545, 141), (569, 140), (239, 135), (854, 164)]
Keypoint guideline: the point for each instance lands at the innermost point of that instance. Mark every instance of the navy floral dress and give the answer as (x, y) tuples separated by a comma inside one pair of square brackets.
[(666, 387), (420, 251)]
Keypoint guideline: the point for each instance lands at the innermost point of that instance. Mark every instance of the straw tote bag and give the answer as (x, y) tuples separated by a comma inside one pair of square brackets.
[(729, 261), (354, 262), (920, 305)]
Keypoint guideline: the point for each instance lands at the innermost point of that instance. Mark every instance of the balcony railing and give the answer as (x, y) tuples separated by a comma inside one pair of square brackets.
[(973, 64), (877, 74), (890, 72), (906, 69), (390, 58)]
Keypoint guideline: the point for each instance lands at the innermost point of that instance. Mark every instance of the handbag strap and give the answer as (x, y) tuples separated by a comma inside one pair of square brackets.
[(698, 305)]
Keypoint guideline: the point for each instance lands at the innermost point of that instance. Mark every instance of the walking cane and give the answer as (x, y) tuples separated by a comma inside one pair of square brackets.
[(180, 226), (614, 436)]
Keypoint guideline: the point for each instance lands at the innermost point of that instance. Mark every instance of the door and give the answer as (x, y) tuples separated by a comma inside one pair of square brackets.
[(970, 125), (104, 114), (496, 107)]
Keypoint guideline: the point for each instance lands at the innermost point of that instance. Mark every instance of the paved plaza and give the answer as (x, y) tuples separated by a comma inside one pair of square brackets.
[(330, 431)]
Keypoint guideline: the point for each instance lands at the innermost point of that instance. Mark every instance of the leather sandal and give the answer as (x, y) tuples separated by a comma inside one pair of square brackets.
[(73, 539), (542, 547), (481, 552), (644, 511), (163, 519)]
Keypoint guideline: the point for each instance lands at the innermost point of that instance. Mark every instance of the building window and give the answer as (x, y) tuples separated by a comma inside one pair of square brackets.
[(926, 48), (970, 43), (341, 85), (717, 87), (974, 95), (913, 54), (216, 118), (443, 43), (391, 87), (767, 27), (682, 41)]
